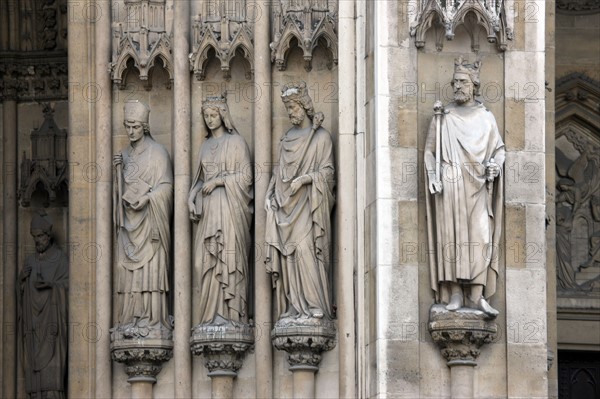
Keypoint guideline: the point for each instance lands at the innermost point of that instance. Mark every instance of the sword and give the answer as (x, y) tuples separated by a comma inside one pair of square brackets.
[(438, 108)]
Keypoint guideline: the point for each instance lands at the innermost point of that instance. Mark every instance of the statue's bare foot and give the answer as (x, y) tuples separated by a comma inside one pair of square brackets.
[(456, 302), (317, 313), (486, 308)]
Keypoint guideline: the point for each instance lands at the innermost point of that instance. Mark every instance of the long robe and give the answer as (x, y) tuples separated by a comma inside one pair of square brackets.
[(222, 242), (465, 220), (298, 228), (43, 323), (144, 236)]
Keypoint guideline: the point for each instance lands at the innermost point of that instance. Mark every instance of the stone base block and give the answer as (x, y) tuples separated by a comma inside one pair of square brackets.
[(461, 333), (143, 356), (224, 344), (305, 340)]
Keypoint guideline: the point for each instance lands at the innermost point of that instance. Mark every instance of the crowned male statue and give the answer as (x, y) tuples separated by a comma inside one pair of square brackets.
[(43, 303), (299, 201), (464, 155), (143, 209)]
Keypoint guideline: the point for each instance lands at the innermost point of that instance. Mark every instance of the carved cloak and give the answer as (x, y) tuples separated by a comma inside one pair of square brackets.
[(144, 236), (43, 323), (222, 241), (298, 228), (465, 220)]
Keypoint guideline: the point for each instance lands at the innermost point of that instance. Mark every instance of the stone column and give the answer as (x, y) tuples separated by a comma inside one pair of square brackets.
[(10, 234), (223, 347), (104, 226), (262, 159), (460, 335), (346, 201), (305, 341), (182, 292)]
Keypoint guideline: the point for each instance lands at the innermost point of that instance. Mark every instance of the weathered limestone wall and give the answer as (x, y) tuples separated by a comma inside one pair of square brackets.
[(402, 84), (577, 45)]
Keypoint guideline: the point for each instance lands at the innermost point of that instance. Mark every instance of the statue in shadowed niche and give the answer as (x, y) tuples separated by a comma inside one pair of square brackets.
[(464, 156), (299, 201), (43, 305), (143, 209), (220, 201)]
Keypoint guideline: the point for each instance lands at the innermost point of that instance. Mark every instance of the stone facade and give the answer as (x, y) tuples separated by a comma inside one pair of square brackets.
[(374, 69)]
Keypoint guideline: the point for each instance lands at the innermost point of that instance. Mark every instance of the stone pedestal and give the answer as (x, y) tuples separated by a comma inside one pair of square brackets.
[(305, 340), (224, 345), (460, 335), (143, 352)]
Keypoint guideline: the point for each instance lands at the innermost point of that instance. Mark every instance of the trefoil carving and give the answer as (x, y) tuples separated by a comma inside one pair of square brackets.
[(310, 23), (444, 16), (140, 41), (223, 28)]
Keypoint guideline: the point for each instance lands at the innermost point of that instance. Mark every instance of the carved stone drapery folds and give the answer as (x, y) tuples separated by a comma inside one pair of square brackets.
[(47, 167), (309, 22), (223, 28), (446, 15), (142, 38)]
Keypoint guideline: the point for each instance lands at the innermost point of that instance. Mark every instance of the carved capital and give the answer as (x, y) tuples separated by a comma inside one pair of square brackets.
[(143, 357), (460, 334), (578, 7), (305, 340), (223, 346)]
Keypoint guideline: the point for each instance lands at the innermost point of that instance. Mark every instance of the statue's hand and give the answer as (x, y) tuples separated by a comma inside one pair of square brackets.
[(117, 159), (209, 186), (26, 273), (42, 285), (141, 203), (435, 187), (492, 170), (299, 182)]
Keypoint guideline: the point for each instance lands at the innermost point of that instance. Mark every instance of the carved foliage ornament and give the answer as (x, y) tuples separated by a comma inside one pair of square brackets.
[(224, 29), (446, 15), (143, 39), (578, 7), (310, 23), (33, 76)]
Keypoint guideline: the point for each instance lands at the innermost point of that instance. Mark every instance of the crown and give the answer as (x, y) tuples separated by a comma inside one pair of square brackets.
[(460, 66), (215, 101), (294, 91), (136, 111)]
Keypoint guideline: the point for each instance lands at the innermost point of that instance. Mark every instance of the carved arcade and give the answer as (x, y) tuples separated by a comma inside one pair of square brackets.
[(310, 23), (223, 29), (444, 16), (143, 39)]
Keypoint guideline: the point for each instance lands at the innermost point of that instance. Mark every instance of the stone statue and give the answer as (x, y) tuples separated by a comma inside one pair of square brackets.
[(43, 302), (221, 202), (299, 201), (464, 156), (143, 209)]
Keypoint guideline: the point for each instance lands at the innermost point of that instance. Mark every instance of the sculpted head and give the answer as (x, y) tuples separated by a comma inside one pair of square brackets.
[(297, 102), (216, 113), (136, 117), (41, 231), (465, 81)]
